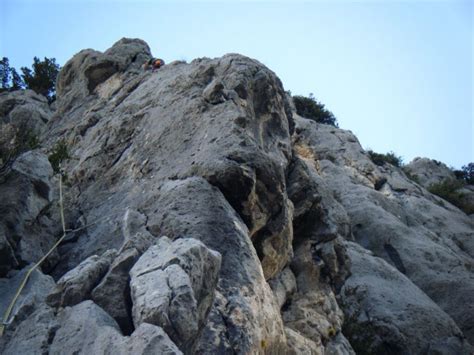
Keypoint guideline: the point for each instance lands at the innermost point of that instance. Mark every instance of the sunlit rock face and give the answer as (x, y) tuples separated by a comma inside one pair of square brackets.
[(210, 218)]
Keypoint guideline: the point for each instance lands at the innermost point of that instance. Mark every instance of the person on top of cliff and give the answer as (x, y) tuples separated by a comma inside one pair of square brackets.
[(153, 64)]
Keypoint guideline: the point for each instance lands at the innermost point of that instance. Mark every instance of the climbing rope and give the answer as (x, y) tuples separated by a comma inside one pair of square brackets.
[(30, 271)]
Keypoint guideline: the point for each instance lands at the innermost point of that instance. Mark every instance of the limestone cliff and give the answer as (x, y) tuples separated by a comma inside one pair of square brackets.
[(207, 217)]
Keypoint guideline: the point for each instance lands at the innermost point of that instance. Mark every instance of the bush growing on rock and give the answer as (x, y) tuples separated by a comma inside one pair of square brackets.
[(309, 107), (449, 190), (380, 159), (59, 154)]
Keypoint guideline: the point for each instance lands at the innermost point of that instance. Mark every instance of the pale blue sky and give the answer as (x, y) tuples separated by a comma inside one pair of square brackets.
[(398, 74)]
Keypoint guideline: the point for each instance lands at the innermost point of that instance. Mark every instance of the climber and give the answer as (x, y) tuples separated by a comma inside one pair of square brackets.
[(153, 64)]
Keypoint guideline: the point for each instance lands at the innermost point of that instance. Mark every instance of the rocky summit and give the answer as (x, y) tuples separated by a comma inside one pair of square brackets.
[(203, 215)]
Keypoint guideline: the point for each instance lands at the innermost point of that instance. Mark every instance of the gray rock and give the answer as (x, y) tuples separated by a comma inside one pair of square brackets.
[(400, 222), (147, 339), (81, 75), (113, 292), (25, 109), (172, 285), (214, 92), (428, 172), (191, 208), (211, 151), (339, 345), (386, 312), (242, 146), (33, 335), (318, 215), (26, 192), (76, 285), (31, 298), (315, 315), (298, 344), (86, 328), (283, 286), (7, 254)]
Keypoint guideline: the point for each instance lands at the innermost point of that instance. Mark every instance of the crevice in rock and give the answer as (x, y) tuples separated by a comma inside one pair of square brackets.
[(122, 152), (127, 327), (395, 257), (52, 334)]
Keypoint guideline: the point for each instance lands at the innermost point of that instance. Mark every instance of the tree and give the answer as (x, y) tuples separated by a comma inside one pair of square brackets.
[(309, 107), (466, 173), (10, 80), (42, 78)]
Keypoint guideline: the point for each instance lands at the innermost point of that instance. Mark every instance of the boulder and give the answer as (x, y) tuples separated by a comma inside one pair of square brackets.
[(32, 297), (86, 328), (172, 285), (33, 335), (428, 172), (25, 109), (113, 292), (386, 313), (76, 285)]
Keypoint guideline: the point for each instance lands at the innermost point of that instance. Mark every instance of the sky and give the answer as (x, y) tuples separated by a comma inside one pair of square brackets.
[(399, 74)]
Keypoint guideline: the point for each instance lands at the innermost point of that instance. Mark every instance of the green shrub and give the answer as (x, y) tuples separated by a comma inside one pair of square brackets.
[(58, 155), (448, 190), (466, 173), (412, 177), (309, 107), (381, 159)]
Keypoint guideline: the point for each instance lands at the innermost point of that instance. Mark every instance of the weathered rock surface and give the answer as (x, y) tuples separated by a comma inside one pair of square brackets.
[(428, 172), (210, 218), (86, 328), (25, 109), (35, 292), (32, 336), (402, 223), (76, 285), (26, 191), (172, 285), (387, 313)]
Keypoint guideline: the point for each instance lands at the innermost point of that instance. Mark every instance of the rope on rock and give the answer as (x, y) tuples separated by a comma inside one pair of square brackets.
[(30, 271)]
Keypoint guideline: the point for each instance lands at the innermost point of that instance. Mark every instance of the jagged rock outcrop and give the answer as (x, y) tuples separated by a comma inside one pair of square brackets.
[(210, 218), (25, 109), (402, 223), (428, 172), (26, 225)]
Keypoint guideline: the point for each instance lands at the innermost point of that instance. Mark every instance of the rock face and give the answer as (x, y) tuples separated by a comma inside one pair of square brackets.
[(25, 109), (428, 172), (210, 218), (26, 232)]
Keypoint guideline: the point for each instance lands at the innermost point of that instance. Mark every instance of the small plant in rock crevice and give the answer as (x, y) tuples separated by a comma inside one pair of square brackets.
[(59, 153)]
